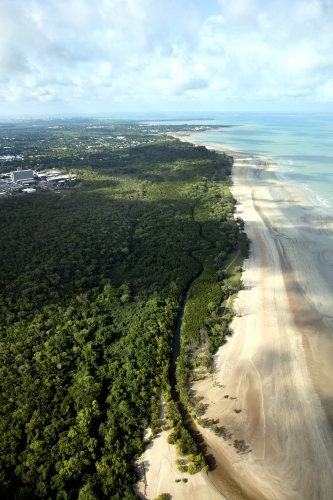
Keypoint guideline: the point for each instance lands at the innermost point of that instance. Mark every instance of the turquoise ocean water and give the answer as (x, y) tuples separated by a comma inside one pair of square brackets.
[(301, 144)]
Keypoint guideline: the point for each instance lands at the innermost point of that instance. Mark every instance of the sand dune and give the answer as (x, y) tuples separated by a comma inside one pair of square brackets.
[(277, 366)]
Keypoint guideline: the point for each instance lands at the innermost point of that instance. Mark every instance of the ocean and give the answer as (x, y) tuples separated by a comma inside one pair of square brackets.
[(301, 144)]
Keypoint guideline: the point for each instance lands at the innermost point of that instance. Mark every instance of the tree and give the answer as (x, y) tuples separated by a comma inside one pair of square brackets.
[(192, 469)]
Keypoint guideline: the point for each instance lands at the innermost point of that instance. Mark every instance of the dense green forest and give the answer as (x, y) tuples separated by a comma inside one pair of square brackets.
[(91, 281)]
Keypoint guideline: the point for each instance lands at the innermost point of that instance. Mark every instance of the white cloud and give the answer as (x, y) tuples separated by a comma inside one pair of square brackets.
[(325, 92), (153, 52)]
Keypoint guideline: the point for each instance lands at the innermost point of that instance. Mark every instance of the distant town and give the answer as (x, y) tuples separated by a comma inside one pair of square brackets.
[(51, 155)]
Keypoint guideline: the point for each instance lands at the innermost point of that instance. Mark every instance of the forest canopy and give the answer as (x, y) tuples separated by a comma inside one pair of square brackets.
[(91, 282)]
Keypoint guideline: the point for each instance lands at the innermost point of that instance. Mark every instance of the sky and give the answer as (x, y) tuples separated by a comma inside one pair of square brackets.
[(80, 56)]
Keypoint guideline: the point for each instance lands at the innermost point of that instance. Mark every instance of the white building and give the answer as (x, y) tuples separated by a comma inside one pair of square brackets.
[(22, 175)]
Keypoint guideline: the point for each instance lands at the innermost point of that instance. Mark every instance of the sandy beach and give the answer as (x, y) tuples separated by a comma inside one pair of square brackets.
[(276, 368)]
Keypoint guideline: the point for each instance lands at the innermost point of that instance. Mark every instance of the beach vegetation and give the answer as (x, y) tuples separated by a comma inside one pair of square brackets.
[(182, 468), (241, 446), (192, 468)]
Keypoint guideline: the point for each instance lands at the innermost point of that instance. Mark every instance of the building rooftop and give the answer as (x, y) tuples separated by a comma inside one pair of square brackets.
[(21, 175)]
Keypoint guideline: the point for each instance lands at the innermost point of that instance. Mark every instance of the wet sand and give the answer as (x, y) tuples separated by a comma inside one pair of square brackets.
[(277, 366)]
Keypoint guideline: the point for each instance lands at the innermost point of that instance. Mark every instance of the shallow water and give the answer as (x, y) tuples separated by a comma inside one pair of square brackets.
[(302, 145)]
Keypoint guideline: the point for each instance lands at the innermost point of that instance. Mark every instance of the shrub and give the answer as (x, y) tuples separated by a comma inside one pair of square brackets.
[(216, 430), (238, 445), (182, 468), (186, 443), (173, 413), (172, 438), (192, 469)]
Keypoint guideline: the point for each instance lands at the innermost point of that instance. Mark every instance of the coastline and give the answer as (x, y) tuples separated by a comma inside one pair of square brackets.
[(277, 364), (278, 361)]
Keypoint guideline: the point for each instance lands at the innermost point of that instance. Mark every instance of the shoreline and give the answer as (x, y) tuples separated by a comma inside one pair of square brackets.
[(277, 365), (278, 361), (313, 196)]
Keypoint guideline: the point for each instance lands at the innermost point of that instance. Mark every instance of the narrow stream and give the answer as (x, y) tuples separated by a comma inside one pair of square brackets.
[(218, 477), (188, 421), (176, 348)]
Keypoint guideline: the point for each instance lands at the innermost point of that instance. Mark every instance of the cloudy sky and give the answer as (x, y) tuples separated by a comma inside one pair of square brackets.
[(73, 56)]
